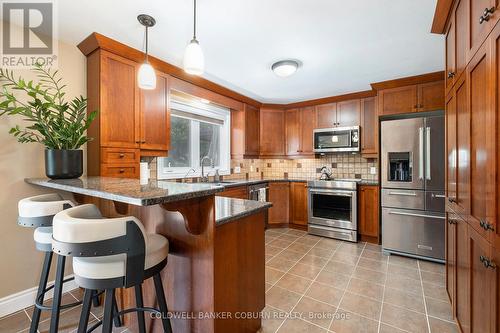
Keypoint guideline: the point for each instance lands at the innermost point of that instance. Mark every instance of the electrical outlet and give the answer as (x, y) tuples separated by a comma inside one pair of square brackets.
[(237, 169), (373, 170), (252, 168)]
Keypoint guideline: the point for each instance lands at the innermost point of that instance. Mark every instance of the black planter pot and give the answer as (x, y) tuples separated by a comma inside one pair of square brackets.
[(63, 164)]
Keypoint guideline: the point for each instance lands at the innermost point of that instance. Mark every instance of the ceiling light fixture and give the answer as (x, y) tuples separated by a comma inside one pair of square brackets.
[(285, 68), (194, 62), (146, 77), (204, 101)]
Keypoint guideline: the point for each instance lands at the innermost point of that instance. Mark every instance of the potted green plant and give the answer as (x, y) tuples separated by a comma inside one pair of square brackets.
[(52, 121)]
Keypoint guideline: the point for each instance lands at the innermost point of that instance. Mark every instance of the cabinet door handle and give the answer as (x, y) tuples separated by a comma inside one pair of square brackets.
[(485, 225), (486, 15), (121, 171), (452, 221), (121, 155), (451, 75), (488, 263), (451, 200)]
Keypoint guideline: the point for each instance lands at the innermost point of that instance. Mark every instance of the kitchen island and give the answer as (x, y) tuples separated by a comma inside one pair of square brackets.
[(215, 270)]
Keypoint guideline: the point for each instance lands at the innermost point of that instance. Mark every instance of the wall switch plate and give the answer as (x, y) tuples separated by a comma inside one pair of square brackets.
[(252, 168), (237, 169), (373, 170)]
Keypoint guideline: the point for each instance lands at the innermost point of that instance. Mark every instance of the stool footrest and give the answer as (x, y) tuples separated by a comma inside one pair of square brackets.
[(39, 299)]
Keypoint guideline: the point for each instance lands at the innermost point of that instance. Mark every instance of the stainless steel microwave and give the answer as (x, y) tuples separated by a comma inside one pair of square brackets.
[(337, 139)]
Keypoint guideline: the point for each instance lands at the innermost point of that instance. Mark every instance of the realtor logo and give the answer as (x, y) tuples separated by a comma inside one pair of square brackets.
[(28, 34)]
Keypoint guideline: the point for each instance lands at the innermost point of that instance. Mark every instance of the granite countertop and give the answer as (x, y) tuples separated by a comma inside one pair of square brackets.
[(239, 182), (130, 190), (229, 209)]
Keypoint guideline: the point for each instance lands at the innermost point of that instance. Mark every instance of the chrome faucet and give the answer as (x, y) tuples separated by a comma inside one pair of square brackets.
[(204, 179)]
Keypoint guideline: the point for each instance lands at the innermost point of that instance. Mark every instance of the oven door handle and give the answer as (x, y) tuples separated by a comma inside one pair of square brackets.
[(330, 192)]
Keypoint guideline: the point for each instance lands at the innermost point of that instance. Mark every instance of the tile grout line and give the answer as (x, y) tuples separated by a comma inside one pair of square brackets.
[(383, 296), (423, 295), (302, 296)]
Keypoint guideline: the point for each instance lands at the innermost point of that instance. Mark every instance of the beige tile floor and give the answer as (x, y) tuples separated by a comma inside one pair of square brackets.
[(316, 284)]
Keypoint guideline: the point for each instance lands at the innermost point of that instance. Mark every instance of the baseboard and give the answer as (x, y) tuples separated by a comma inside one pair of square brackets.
[(26, 298)]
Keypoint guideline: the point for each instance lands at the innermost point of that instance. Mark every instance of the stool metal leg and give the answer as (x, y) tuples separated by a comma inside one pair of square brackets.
[(116, 319), (88, 297), (140, 304), (107, 321), (162, 303), (44, 276), (95, 298), (56, 302)]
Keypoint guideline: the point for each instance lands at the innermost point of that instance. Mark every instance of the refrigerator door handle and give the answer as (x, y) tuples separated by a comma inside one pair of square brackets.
[(421, 153), (428, 153)]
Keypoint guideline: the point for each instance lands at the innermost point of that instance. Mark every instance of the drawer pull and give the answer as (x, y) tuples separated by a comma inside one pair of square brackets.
[(417, 215), (485, 225), (433, 195), (121, 170), (487, 262), (121, 155)]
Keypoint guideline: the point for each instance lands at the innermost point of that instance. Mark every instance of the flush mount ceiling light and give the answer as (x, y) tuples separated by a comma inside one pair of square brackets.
[(146, 77), (285, 68), (194, 62)]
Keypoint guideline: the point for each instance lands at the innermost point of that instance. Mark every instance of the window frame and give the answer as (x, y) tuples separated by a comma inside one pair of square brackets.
[(208, 111)]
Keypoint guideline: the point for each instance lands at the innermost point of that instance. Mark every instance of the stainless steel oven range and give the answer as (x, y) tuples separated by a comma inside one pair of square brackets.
[(332, 209)]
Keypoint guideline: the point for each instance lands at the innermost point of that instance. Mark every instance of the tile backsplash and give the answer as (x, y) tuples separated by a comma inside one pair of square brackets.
[(343, 165)]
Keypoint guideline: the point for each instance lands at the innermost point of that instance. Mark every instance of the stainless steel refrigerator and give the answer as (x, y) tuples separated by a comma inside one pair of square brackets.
[(413, 181)]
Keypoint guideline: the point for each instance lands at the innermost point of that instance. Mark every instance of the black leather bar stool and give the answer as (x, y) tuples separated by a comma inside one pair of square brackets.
[(110, 253)]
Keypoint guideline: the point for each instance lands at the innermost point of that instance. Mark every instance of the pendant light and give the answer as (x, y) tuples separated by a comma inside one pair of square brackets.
[(146, 77), (194, 62)]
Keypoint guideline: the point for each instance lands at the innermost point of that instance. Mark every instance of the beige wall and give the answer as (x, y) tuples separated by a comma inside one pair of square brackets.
[(20, 262)]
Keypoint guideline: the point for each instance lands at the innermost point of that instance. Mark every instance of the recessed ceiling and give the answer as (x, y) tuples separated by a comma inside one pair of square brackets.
[(343, 46)]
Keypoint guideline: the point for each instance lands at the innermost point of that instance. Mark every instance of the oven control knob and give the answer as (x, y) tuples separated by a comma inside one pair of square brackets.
[(355, 137)]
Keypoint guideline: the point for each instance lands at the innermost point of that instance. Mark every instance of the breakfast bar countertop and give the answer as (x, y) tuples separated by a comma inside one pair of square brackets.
[(128, 190), (230, 209)]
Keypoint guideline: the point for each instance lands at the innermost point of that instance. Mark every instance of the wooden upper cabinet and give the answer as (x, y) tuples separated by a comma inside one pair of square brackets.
[(430, 96), (480, 28), (119, 114), (279, 193), (412, 98), (298, 203), (326, 115), (252, 126), (460, 22), (397, 100), (369, 127), (307, 125), (482, 162), (272, 132), (482, 277), (450, 54), (155, 116), (368, 209), (292, 130), (348, 113)]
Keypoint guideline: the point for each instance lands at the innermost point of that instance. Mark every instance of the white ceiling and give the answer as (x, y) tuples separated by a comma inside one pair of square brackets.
[(343, 45)]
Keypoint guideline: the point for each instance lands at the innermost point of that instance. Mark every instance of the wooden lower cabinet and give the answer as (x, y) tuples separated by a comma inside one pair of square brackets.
[(279, 193), (461, 299), (368, 213), (298, 203), (482, 279), (239, 192)]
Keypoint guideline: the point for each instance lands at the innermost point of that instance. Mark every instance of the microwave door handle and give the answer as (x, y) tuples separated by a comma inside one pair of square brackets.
[(421, 153), (428, 153)]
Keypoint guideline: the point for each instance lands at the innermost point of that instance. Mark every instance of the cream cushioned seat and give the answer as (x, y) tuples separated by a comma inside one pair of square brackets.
[(114, 266), (43, 235)]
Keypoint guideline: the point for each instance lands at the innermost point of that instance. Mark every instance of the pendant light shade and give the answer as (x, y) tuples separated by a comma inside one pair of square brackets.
[(194, 61), (146, 77)]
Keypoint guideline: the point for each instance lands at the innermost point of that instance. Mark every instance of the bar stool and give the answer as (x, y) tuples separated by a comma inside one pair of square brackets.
[(38, 212), (110, 253)]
